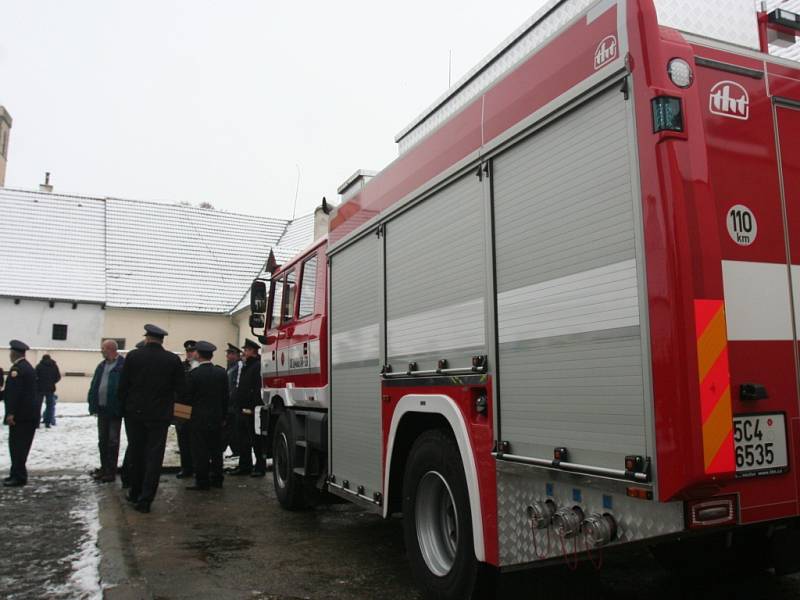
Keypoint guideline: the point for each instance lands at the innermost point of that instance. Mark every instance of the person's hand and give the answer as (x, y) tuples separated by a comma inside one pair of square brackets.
[(10, 420)]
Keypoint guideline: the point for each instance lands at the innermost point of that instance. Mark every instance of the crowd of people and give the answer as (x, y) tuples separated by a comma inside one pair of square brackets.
[(148, 389)]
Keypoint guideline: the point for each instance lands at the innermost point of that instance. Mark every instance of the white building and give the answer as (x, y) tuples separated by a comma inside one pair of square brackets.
[(77, 270)]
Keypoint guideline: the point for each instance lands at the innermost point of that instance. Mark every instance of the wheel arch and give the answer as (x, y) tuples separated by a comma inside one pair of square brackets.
[(414, 414)]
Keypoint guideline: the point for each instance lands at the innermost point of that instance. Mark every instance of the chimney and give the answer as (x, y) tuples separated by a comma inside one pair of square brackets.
[(5, 133), (322, 216), (46, 187)]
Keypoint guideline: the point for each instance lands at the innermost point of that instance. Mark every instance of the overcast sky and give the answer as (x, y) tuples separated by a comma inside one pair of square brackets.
[(220, 102)]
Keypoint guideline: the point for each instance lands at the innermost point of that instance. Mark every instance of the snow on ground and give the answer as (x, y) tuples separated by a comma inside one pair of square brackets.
[(69, 446), (84, 578)]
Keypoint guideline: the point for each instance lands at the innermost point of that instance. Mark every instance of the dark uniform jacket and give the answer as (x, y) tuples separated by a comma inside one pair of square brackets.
[(20, 395), (233, 378), (207, 393), (248, 394), (47, 376), (152, 378)]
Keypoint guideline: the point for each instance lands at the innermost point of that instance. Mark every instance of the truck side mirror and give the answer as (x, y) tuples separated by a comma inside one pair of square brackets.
[(258, 300), (257, 321)]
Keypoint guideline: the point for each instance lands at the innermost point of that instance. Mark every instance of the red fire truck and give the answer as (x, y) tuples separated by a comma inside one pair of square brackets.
[(565, 317)]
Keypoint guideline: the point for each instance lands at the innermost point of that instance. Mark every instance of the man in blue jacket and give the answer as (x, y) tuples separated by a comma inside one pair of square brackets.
[(23, 408), (104, 402)]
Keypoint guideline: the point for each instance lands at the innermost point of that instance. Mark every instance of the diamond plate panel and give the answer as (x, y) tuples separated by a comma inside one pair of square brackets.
[(792, 52), (732, 21), (518, 486)]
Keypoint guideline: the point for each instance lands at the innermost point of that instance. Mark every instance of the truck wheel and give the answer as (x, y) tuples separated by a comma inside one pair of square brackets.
[(288, 486), (437, 522)]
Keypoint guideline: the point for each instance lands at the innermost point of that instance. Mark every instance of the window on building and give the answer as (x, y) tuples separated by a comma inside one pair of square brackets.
[(308, 287), (120, 342), (289, 296), (277, 297), (59, 332)]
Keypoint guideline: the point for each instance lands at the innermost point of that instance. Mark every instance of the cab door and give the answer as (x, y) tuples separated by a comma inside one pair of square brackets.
[(269, 369), (300, 346), (286, 326)]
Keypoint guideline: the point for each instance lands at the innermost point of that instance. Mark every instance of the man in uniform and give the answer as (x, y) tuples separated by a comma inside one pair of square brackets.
[(23, 410), (246, 398), (183, 430), (207, 394), (151, 380), (229, 434)]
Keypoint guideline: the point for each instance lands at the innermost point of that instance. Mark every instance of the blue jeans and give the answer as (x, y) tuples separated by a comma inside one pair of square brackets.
[(49, 416)]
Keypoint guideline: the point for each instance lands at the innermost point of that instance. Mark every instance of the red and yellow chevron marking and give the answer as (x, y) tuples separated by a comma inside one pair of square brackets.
[(715, 386)]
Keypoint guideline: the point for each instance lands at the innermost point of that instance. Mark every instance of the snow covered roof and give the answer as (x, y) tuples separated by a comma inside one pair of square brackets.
[(52, 246), (298, 236), (135, 254)]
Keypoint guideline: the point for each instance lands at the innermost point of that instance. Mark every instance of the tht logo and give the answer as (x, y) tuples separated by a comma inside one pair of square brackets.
[(606, 52), (729, 99)]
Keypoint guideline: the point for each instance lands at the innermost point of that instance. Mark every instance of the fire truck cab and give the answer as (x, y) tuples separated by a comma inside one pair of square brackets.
[(565, 317)]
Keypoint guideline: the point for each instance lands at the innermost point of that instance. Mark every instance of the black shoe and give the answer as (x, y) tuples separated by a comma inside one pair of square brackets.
[(9, 478), (131, 498), (184, 475), (240, 472), (258, 473), (216, 484), (142, 507), (13, 483), (198, 488)]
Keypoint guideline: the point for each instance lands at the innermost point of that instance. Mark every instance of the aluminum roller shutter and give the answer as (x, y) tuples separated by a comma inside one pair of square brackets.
[(355, 382), (570, 352), (436, 279)]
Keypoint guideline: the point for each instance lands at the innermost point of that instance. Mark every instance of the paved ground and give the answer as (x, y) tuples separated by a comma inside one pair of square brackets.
[(237, 543), (62, 534)]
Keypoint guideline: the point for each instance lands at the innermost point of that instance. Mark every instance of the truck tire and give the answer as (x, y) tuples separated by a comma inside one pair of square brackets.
[(288, 486), (437, 522)]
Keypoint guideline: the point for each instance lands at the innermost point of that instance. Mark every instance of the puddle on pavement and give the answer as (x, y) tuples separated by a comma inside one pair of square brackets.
[(218, 549)]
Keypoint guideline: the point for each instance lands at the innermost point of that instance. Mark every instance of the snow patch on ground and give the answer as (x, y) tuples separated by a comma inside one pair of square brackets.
[(71, 445), (84, 581)]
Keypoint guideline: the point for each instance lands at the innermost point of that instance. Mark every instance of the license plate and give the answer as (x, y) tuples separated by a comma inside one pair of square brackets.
[(760, 444)]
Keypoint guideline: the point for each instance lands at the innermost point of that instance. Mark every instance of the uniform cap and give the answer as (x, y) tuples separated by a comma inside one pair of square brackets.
[(18, 346), (232, 348), (154, 331), (189, 345), (248, 343), (203, 346)]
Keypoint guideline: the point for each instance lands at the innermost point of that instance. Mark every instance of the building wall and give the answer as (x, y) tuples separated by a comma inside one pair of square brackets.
[(129, 324), (241, 323), (32, 322)]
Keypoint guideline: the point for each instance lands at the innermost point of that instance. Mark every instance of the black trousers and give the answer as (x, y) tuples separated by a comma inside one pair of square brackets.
[(108, 429), (249, 444), (146, 443), (230, 435), (185, 446), (207, 454), (20, 438)]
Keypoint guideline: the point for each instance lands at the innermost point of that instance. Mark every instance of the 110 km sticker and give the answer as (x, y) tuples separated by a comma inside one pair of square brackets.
[(742, 225)]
